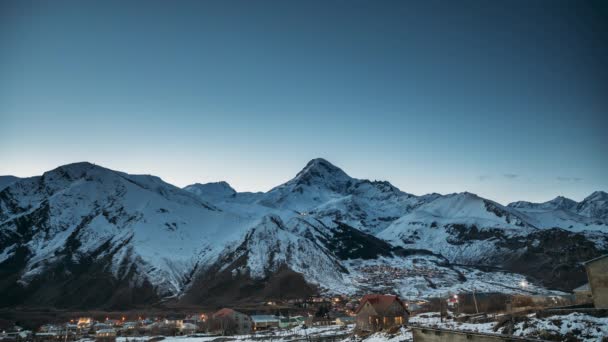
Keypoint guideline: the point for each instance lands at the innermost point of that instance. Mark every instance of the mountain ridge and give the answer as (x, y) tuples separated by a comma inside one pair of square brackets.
[(148, 241)]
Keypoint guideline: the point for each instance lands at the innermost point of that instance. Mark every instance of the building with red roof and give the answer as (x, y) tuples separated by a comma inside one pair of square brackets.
[(228, 322), (378, 312)]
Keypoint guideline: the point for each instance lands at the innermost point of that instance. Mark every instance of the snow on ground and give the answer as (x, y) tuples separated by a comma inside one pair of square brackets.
[(581, 326), (403, 335), (578, 326), (572, 327), (295, 333), (425, 276)]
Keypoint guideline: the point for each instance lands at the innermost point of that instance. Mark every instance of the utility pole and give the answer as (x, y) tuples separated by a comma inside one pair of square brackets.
[(475, 301), (441, 307)]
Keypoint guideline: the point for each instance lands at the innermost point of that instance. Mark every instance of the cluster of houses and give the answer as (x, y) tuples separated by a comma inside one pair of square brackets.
[(373, 312), (106, 330)]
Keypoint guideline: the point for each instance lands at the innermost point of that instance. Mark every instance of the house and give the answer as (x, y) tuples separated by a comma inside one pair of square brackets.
[(582, 294), (290, 322), (173, 320), (112, 322), (597, 274), (378, 312), (187, 328), (84, 323), (229, 322), (345, 320), (49, 337), (265, 322), (105, 335), (314, 321), (129, 325), (99, 326)]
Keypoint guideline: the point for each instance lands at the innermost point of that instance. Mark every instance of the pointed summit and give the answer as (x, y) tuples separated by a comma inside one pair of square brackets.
[(594, 206), (5, 181), (560, 202), (320, 170), (597, 196)]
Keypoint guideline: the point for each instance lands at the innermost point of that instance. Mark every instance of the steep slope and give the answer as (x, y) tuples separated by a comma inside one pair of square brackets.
[(463, 227), (594, 206), (85, 236), (561, 212), (305, 256), (470, 230), (80, 219), (211, 191), (7, 180), (326, 192), (558, 203), (269, 255)]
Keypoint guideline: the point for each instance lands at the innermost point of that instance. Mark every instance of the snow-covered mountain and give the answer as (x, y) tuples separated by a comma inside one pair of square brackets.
[(558, 203), (85, 236), (463, 227), (588, 215), (523, 236), (83, 218), (326, 192), (211, 191), (594, 206), (7, 180)]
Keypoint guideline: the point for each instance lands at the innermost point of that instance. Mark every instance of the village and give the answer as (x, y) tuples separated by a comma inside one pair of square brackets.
[(579, 316)]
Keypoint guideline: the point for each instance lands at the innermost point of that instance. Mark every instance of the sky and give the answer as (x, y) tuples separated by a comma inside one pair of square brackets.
[(506, 99)]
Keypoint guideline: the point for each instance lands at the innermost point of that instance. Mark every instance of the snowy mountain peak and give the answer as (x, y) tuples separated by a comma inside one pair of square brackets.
[(320, 169), (597, 196), (213, 190), (7, 180), (558, 203), (155, 240), (561, 202), (594, 206), (70, 171)]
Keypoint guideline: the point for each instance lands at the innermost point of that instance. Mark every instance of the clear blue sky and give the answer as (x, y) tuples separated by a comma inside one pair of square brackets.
[(505, 99)]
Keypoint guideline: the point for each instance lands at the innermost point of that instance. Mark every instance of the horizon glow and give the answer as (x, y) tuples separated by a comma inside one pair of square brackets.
[(505, 100)]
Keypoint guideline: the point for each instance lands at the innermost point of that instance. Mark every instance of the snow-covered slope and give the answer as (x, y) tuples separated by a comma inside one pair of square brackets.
[(325, 191), (463, 227), (211, 191), (7, 180), (83, 235), (471, 230), (591, 214), (558, 203), (594, 206), (138, 228)]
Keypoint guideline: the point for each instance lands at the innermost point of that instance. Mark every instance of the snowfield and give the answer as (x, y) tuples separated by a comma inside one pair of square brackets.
[(576, 326)]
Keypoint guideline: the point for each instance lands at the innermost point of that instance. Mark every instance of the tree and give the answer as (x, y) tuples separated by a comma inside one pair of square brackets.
[(323, 311)]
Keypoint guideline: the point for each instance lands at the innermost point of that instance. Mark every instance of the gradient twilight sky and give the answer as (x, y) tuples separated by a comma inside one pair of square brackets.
[(505, 99)]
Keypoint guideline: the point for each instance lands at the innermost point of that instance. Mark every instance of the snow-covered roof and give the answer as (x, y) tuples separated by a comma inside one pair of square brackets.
[(106, 331), (264, 318)]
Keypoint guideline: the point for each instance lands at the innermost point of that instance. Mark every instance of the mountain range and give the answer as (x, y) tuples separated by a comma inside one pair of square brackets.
[(84, 236)]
